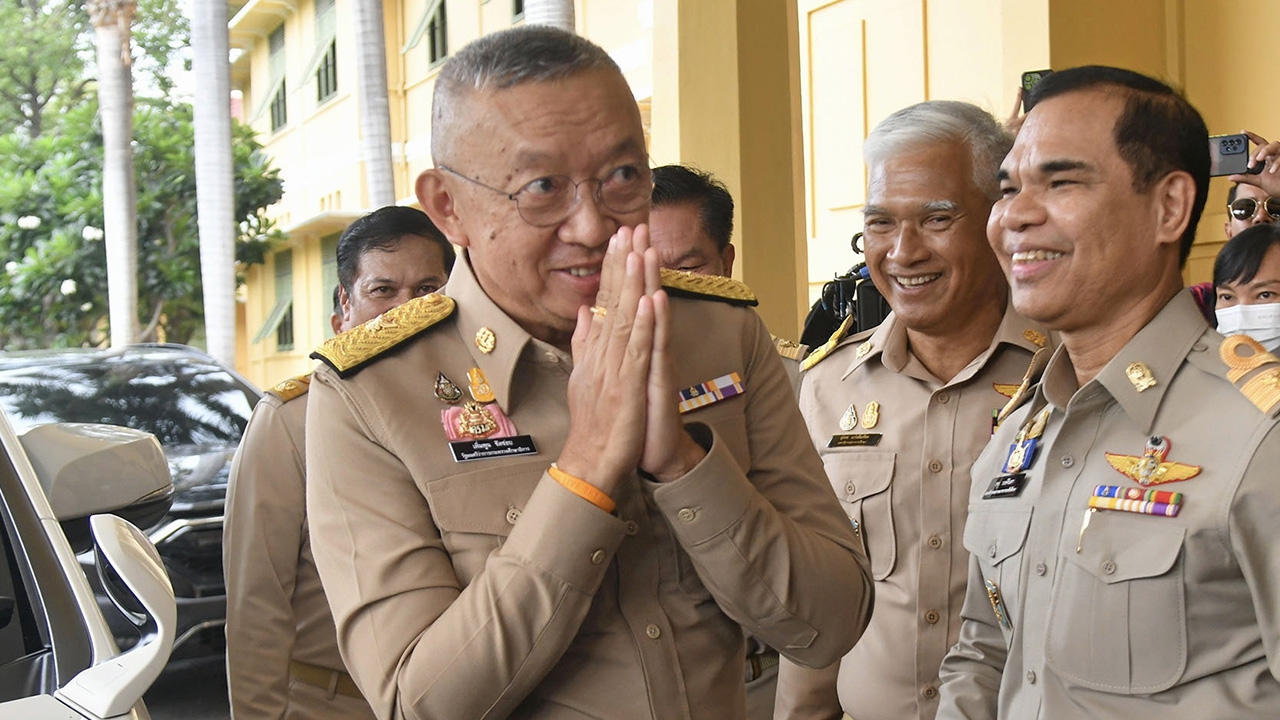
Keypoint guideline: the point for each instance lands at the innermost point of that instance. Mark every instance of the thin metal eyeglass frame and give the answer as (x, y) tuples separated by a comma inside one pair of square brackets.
[(514, 197), (1258, 204)]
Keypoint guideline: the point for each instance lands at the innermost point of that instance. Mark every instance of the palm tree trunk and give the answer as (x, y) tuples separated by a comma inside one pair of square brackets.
[(111, 22), (556, 13), (375, 111), (215, 178)]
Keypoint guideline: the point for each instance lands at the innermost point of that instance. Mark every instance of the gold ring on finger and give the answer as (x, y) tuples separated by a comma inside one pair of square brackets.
[(599, 311)]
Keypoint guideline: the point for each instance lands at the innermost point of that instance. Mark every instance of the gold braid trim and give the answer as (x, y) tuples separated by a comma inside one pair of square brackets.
[(714, 287), (292, 388), (1263, 389), (349, 351)]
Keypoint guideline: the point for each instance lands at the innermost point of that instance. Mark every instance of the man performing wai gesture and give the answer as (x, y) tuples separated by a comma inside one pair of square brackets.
[(521, 505)]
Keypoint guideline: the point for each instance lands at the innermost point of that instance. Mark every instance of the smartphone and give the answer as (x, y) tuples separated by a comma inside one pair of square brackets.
[(1030, 79), (1229, 155)]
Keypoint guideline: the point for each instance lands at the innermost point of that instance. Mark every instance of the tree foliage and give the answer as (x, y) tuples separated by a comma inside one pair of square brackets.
[(53, 291), (53, 288)]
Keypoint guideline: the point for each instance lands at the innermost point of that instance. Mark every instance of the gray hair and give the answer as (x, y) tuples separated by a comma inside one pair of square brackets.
[(948, 121), (502, 60)]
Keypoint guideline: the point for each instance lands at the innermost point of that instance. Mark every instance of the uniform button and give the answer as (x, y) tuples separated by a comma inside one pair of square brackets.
[(1031, 677), (632, 527), (597, 557), (653, 631), (1199, 346), (932, 617), (687, 514), (1041, 568), (930, 692), (944, 398), (935, 466), (1068, 461), (849, 488), (991, 551), (513, 514), (1109, 567), (550, 356), (935, 542)]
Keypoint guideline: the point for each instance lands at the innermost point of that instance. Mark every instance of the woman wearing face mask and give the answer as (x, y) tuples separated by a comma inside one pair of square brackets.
[(1246, 276)]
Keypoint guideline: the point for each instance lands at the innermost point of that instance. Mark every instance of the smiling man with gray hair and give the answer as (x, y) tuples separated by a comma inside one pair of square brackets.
[(899, 412)]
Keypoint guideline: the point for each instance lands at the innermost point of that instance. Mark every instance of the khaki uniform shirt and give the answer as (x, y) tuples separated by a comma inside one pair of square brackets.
[(485, 589), (1139, 616), (909, 495), (276, 609)]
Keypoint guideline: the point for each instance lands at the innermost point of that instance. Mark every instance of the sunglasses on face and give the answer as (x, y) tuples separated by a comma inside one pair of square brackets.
[(1246, 208)]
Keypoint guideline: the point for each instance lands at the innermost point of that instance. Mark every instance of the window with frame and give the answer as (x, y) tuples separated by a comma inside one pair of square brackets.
[(284, 298), (276, 64), (326, 69), (438, 34), (328, 278), (517, 9)]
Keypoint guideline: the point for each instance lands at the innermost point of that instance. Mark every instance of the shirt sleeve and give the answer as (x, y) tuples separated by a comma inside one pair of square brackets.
[(262, 538), (417, 643), (1251, 529), (806, 694), (772, 544), (970, 673)]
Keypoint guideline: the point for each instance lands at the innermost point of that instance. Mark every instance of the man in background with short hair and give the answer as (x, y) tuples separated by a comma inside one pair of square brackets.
[(282, 654)]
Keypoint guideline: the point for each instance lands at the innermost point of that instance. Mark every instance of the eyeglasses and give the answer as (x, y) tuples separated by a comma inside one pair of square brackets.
[(1246, 208), (549, 200)]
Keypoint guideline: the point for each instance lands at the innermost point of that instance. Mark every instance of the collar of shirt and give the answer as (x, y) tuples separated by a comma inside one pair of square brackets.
[(889, 344), (1161, 345), (475, 311)]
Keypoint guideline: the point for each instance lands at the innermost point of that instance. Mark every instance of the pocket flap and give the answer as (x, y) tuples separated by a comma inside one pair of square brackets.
[(1127, 547), (995, 535), (865, 473), (487, 502)]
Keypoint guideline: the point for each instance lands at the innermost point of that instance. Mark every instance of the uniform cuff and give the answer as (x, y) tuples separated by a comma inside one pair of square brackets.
[(565, 535), (709, 498)]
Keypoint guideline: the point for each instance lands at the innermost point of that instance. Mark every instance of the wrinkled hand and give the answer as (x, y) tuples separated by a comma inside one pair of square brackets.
[(1267, 153), (612, 353)]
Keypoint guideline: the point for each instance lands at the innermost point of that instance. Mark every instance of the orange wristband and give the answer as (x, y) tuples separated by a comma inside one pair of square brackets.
[(583, 489)]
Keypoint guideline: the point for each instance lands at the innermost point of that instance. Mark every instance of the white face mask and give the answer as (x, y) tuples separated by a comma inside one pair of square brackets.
[(1260, 322)]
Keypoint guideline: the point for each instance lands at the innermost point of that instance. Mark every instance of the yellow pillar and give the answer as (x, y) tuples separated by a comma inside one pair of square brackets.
[(726, 100)]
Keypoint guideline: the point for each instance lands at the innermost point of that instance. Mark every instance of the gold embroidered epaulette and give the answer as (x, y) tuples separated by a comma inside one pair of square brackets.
[(350, 351), (292, 388), (788, 349), (825, 349), (1025, 390), (1256, 375), (712, 287)]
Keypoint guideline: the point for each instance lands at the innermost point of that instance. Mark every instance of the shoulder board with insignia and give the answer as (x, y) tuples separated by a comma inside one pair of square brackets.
[(292, 388), (1262, 388), (712, 287), (789, 349), (1026, 389), (822, 352), (350, 351)]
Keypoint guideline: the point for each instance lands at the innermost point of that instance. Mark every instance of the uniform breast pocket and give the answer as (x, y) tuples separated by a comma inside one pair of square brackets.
[(864, 483), (1117, 620), (475, 511), (996, 537)]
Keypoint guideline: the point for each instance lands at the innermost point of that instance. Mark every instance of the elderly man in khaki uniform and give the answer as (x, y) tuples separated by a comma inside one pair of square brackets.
[(282, 653), (899, 413), (1121, 522), (522, 507)]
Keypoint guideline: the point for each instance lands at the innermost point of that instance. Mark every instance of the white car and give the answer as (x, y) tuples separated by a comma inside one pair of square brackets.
[(58, 658)]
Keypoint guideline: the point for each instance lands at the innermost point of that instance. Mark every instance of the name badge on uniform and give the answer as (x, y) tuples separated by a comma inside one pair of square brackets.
[(1005, 486), (854, 440), (492, 447)]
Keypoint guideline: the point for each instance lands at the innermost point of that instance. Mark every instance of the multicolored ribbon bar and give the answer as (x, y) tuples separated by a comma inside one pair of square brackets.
[(725, 386), (1132, 493), (1135, 506)]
